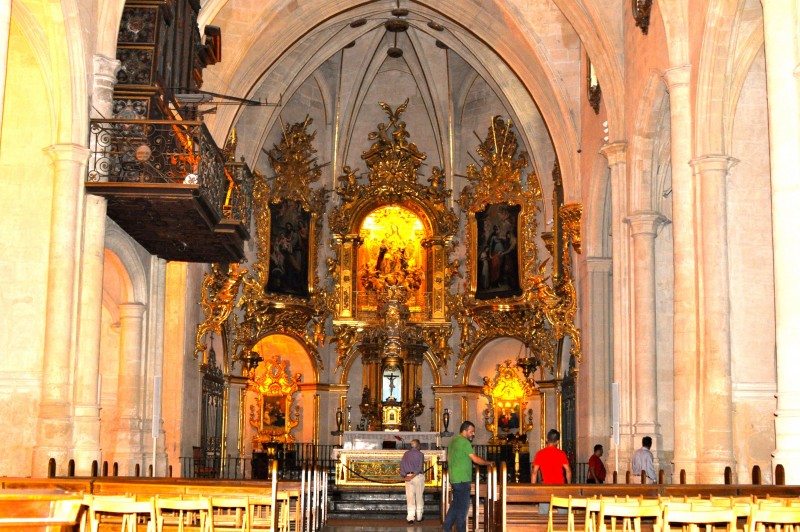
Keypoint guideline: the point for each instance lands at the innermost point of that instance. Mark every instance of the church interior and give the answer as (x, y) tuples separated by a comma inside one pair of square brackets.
[(254, 225)]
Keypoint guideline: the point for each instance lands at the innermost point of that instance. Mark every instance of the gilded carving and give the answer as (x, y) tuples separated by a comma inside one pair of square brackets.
[(545, 312), (272, 414), (218, 297), (508, 398), (267, 312), (392, 180)]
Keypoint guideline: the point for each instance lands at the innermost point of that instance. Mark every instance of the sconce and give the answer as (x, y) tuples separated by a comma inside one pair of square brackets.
[(641, 13)]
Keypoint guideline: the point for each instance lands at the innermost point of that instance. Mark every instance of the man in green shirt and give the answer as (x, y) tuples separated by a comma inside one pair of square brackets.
[(460, 457)]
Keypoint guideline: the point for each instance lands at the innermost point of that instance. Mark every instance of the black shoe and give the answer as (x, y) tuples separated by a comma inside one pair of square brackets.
[(419, 520), (410, 521)]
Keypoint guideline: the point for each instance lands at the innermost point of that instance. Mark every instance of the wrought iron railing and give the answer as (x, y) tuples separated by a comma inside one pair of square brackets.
[(170, 151), (290, 463)]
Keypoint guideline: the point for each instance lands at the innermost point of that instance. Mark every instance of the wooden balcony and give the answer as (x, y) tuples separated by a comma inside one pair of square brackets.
[(170, 188)]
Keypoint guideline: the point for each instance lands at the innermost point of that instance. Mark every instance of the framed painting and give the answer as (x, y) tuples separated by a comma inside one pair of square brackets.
[(507, 416), (274, 409), (289, 249), (497, 251)]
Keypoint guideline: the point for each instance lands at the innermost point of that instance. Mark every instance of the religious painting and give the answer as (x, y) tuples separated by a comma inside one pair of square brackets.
[(391, 254), (290, 229), (273, 412), (498, 271), (507, 415)]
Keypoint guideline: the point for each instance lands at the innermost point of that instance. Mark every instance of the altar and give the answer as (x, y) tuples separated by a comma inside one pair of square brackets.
[(371, 439), (370, 458)]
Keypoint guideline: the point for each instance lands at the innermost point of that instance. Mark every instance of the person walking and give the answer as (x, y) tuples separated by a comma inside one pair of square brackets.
[(643, 460), (597, 470), (411, 469), (460, 457)]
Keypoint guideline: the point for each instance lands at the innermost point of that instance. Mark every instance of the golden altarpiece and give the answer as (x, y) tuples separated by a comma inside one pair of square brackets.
[(391, 298)]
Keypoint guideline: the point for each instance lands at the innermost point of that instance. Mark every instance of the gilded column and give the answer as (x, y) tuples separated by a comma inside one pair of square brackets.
[(616, 154), (86, 437), (716, 394), (685, 325), (54, 425), (644, 227), (129, 449), (782, 47)]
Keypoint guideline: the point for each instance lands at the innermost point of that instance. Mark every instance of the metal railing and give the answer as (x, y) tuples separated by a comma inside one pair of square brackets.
[(290, 463), (170, 151)]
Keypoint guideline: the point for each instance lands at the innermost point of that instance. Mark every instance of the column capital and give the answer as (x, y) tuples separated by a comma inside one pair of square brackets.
[(645, 222), (598, 264), (131, 310), (677, 77), (713, 163), (67, 153), (106, 67), (615, 153)]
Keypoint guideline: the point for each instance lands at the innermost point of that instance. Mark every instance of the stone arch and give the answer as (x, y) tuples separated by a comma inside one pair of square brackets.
[(649, 148), (596, 217), (296, 347), (126, 251), (716, 59), (524, 80)]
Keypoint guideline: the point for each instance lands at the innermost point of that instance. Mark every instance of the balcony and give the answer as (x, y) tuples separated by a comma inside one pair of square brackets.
[(170, 187)]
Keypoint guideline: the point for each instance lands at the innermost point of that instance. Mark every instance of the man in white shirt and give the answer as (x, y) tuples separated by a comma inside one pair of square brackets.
[(643, 460)]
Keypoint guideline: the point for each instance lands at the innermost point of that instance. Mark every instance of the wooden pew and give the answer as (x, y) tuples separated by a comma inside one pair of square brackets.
[(50, 510)]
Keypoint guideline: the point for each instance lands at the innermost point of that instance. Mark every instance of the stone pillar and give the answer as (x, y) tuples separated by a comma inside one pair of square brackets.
[(594, 404), (54, 425), (616, 154), (129, 449), (644, 226), (716, 394), (783, 90), (687, 295), (105, 77), (5, 27), (86, 431)]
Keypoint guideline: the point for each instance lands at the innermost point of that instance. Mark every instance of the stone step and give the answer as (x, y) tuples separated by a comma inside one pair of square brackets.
[(377, 503)]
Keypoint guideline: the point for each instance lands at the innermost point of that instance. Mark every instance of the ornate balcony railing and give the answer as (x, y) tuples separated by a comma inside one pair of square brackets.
[(171, 152)]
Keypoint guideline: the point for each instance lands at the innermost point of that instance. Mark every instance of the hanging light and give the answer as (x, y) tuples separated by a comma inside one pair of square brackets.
[(250, 359), (527, 363)]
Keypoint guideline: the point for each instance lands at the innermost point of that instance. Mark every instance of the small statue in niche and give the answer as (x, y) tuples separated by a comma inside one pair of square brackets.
[(365, 396)]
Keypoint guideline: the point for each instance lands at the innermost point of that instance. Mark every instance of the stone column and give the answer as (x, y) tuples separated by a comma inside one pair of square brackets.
[(129, 449), (105, 77), (5, 27), (687, 295), (54, 426), (644, 226), (716, 394), (86, 431), (595, 371), (783, 90), (616, 153)]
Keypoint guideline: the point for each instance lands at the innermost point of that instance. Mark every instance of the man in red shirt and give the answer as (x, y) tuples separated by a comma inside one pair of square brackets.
[(597, 470), (551, 461)]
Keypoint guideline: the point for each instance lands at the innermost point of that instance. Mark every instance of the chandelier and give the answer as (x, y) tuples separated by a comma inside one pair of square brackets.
[(527, 363)]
